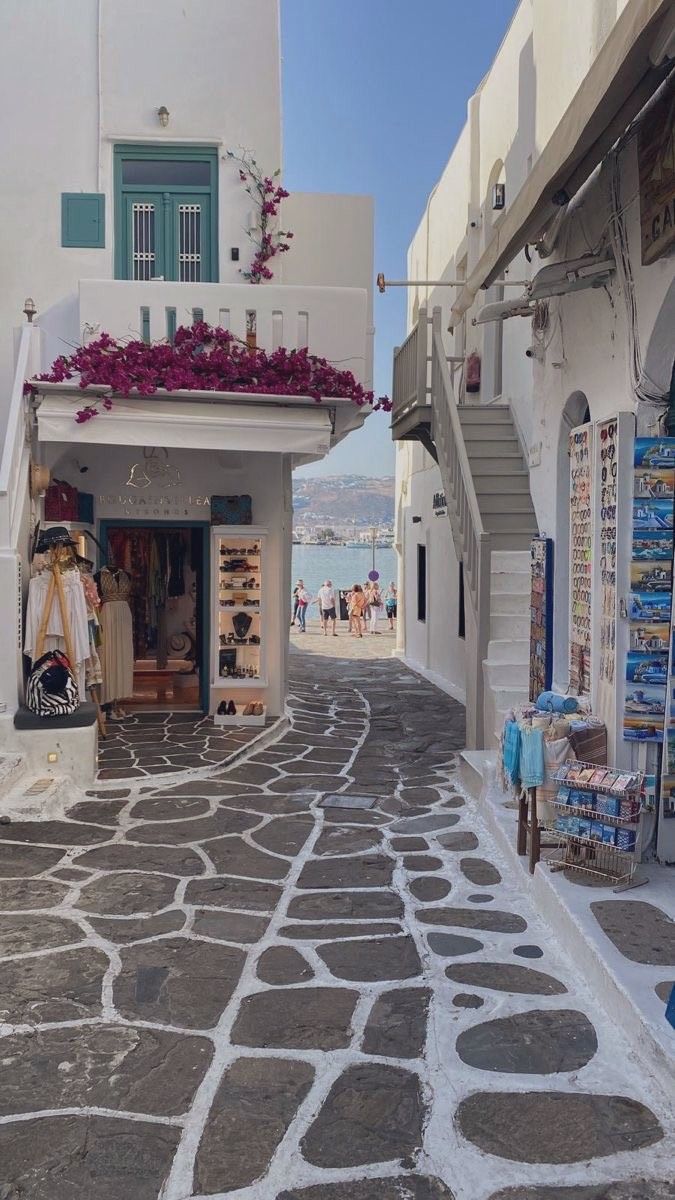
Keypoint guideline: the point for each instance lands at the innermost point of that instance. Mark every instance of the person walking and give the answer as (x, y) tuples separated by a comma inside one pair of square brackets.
[(296, 602), (356, 602), (391, 603), (374, 597), (327, 607), (304, 600)]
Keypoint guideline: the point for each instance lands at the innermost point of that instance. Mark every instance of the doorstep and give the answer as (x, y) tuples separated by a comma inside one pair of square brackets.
[(625, 989)]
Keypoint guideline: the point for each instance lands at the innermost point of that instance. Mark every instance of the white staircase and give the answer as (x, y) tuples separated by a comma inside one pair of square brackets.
[(506, 665)]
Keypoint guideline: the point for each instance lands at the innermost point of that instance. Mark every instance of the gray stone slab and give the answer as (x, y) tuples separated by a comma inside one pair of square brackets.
[(345, 839), (528, 951), (30, 893), (641, 932), (284, 835), (302, 1018), (404, 845), (480, 898), (422, 862), (664, 989), (630, 1189), (373, 1113), (506, 977), (397, 1024), (538, 1042), (427, 824), (177, 981), (430, 888), (320, 930), (125, 894), (555, 1127), (372, 959), (171, 860), (315, 783), (352, 816), (52, 987), (98, 812), (122, 930), (333, 906), (450, 945), (480, 872), (21, 933), (233, 856), (459, 839), (493, 920), (395, 1187), (199, 829), (283, 965), (420, 795), (270, 806), (86, 1157), (20, 861), (467, 1000), (253, 1107), (244, 928), (106, 1066), (55, 833), (364, 871), (170, 808), (221, 892)]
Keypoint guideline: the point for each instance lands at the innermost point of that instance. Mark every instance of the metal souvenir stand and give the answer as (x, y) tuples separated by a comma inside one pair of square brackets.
[(590, 855)]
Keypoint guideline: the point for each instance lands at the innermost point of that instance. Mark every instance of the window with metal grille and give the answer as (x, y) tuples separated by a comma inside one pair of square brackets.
[(143, 244), (189, 243)]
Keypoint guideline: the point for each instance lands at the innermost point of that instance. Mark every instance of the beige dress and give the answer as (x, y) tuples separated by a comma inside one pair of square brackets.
[(117, 652)]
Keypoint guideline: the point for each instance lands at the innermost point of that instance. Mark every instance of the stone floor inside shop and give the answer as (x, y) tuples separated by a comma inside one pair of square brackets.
[(315, 974)]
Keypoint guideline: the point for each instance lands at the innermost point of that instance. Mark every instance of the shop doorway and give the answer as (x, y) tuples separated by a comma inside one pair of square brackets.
[(169, 567)]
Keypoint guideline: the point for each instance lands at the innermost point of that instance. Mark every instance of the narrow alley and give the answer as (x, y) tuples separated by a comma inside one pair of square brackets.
[(309, 977)]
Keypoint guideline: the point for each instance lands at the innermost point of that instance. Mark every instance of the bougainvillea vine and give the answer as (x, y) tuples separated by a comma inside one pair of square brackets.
[(203, 358), (267, 194)]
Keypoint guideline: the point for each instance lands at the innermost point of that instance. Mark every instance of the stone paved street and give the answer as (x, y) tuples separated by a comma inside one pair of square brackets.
[(308, 977)]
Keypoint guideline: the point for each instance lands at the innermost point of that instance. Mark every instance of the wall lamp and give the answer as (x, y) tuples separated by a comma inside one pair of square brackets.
[(163, 116)]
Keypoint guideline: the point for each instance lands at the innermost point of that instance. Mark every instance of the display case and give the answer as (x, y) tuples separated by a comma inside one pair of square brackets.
[(239, 651)]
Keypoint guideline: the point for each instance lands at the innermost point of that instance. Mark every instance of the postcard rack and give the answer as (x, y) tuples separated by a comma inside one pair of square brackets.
[(598, 822)]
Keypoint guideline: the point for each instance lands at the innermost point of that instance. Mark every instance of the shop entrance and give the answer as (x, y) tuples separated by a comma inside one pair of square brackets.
[(168, 568)]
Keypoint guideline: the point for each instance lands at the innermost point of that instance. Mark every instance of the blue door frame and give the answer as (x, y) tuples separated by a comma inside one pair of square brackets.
[(108, 523)]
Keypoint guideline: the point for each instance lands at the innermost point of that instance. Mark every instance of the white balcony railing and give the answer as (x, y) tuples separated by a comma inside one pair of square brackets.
[(330, 321)]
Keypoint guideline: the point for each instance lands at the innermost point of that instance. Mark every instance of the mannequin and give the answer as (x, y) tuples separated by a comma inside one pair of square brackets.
[(117, 658)]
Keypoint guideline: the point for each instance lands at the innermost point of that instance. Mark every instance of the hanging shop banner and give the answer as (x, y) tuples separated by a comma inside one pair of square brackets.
[(541, 616), (647, 708), (656, 166), (581, 554), (607, 435)]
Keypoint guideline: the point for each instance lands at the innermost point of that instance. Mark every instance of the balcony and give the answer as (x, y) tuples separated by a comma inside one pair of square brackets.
[(411, 417), (332, 322)]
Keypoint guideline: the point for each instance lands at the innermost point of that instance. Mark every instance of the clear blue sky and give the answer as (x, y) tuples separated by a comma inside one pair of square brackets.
[(374, 98)]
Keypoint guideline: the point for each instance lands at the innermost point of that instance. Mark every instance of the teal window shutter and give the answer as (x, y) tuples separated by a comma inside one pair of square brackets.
[(83, 219)]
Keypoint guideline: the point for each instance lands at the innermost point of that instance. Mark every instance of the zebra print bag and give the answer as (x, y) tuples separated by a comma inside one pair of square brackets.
[(52, 690)]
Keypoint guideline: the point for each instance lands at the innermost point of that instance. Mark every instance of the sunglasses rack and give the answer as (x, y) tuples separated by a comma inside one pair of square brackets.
[(238, 557), (581, 553), (598, 822)]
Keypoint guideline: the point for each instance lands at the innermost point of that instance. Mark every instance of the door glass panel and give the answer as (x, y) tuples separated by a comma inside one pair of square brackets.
[(189, 243), (143, 240), (163, 172)]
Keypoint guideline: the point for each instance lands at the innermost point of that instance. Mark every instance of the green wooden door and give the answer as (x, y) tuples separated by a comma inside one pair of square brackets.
[(145, 235)]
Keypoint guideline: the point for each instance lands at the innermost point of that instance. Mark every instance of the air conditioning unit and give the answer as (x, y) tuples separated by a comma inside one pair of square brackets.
[(499, 196)]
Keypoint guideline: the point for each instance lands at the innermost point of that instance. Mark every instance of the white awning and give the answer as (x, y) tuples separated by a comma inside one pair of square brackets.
[(615, 89), (185, 425)]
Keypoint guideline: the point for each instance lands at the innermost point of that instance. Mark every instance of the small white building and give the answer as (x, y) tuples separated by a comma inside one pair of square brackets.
[(124, 213), (551, 230)]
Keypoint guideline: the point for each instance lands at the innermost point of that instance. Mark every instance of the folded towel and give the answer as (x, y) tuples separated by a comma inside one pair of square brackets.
[(553, 702)]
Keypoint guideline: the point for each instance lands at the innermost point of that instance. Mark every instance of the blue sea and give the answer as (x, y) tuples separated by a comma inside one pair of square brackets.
[(342, 564)]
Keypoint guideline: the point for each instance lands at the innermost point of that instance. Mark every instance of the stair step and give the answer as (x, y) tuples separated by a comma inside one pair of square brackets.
[(498, 485), (511, 503), (519, 522), (511, 561), (506, 698), (497, 464), (508, 626), (508, 650), (493, 448), (511, 587), (511, 541), (475, 413), (510, 604), (506, 674)]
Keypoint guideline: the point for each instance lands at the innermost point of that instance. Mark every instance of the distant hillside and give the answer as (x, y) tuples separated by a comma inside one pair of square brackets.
[(343, 501)]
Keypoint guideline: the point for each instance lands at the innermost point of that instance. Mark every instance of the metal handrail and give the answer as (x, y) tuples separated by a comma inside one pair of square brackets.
[(410, 371)]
